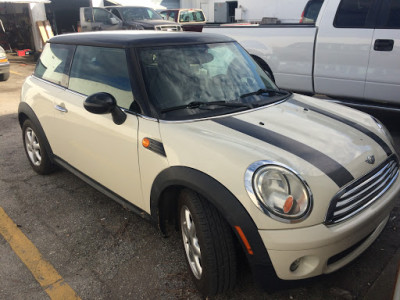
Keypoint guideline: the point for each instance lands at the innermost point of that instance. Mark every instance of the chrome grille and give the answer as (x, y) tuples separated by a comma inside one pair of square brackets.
[(363, 192), (168, 28)]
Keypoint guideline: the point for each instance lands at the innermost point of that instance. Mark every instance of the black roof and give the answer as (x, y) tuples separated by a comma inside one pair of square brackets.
[(130, 38)]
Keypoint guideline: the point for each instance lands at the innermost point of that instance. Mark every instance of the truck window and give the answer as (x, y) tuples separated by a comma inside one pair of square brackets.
[(98, 69), (88, 14), (191, 16), (116, 12), (311, 11), (390, 17), (353, 14), (102, 16), (54, 63)]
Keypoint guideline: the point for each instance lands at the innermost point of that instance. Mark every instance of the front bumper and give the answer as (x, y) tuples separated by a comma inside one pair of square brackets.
[(4, 68), (323, 249)]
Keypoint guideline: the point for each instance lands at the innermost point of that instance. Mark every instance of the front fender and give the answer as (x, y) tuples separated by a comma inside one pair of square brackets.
[(225, 202)]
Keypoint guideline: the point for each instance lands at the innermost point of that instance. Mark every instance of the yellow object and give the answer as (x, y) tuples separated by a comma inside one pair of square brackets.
[(52, 282)]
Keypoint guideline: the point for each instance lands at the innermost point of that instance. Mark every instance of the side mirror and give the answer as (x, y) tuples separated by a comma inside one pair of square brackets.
[(113, 21), (105, 103)]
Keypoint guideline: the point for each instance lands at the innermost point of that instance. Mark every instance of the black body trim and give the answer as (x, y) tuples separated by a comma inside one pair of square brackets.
[(126, 204), (227, 204), (360, 128), (156, 147), (26, 112), (340, 175)]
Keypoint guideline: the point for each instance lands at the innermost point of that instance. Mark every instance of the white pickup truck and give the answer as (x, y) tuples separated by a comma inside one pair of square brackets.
[(352, 51)]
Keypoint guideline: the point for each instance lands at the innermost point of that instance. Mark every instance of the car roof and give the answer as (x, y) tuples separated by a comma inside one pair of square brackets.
[(132, 38)]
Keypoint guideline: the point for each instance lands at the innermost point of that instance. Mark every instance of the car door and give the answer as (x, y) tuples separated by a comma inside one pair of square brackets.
[(93, 144), (343, 47), (383, 76)]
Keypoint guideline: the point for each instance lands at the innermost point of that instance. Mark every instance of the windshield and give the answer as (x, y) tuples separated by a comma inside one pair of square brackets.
[(195, 81), (139, 13)]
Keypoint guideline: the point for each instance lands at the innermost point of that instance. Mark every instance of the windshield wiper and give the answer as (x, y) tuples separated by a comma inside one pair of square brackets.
[(262, 91), (199, 104)]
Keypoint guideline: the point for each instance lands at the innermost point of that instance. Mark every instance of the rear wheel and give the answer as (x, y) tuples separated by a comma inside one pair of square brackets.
[(208, 244), (35, 150)]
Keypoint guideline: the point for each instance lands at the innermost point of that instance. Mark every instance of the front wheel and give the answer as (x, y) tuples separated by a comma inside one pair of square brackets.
[(208, 244)]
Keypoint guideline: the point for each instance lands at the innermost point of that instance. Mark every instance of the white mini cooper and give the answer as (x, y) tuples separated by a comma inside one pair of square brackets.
[(186, 128)]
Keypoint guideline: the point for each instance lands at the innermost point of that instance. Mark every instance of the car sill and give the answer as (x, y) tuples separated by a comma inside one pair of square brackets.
[(126, 204)]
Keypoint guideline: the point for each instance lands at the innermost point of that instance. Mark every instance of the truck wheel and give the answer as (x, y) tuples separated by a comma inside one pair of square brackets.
[(208, 244), (35, 150)]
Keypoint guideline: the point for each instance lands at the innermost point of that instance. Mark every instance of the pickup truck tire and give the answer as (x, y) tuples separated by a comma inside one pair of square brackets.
[(208, 244), (264, 66), (35, 150)]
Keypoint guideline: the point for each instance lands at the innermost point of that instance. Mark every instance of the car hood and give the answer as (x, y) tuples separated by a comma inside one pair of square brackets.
[(327, 144)]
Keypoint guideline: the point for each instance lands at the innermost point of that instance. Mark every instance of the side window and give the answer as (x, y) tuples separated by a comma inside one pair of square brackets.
[(98, 69), (54, 63), (391, 17), (172, 16), (353, 14), (116, 12), (88, 14), (184, 17), (101, 15)]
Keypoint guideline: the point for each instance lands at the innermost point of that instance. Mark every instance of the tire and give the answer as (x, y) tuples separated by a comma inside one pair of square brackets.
[(4, 77), (35, 150), (208, 244)]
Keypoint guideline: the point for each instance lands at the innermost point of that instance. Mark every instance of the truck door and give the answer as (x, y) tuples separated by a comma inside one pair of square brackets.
[(383, 76), (343, 47), (97, 18)]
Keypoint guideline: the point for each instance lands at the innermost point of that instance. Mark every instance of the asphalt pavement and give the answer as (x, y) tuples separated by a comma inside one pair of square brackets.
[(79, 240)]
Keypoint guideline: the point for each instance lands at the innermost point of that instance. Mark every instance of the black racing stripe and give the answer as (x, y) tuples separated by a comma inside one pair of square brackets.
[(364, 130), (330, 167)]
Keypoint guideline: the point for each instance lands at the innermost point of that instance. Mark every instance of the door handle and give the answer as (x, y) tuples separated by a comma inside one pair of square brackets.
[(383, 45), (61, 108)]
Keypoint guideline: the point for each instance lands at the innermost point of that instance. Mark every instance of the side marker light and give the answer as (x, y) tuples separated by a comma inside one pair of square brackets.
[(146, 142), (244, 240)]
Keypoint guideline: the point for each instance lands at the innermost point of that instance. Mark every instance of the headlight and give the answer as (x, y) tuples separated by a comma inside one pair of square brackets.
[(278, 191), (384, 130)]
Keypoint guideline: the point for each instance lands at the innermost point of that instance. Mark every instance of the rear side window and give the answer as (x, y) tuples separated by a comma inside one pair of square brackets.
[(390, 17), (354, 14), (98, 69), (191, 16), (311, 11), (54, 63)]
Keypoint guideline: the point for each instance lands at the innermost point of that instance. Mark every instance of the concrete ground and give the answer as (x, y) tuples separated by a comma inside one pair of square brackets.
[(103, 251)]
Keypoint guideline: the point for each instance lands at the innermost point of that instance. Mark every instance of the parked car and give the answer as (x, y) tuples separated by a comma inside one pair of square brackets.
[(124, 17), (351, 52), (311, 11), (186, 129), (4, 65), (189, 18)]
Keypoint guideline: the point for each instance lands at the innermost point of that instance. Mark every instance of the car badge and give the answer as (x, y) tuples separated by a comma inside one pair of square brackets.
[(371, 159)]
